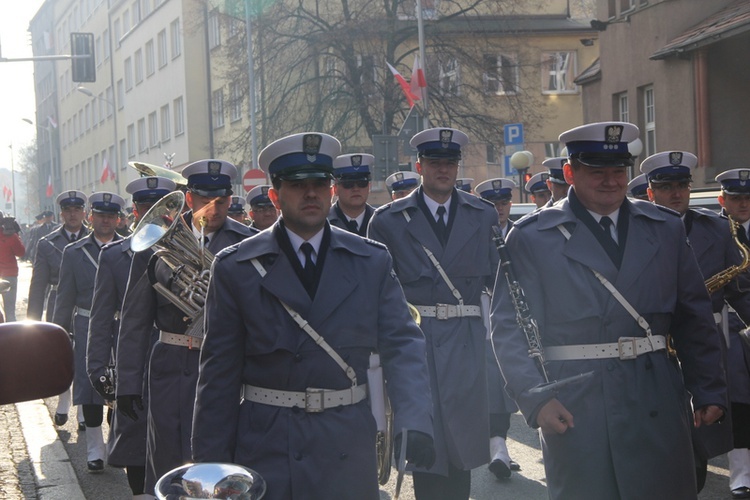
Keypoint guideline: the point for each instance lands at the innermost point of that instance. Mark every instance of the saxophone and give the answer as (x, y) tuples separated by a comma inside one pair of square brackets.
[(721, 279)]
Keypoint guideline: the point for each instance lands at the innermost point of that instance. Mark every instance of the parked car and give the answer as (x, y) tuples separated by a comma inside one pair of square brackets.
[(706, 198)]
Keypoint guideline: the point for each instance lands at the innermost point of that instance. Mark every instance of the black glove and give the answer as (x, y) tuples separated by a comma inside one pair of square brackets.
[(125, 405), (420, 450), (102, 390)]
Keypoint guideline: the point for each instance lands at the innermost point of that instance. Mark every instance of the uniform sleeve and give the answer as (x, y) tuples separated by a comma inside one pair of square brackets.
[(101, 323), (40, 277), (66, 291), (221, 364), (401, 345), (136, 324)]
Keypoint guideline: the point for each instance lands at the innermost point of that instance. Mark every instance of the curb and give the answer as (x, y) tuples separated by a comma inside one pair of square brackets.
[(55, 477)]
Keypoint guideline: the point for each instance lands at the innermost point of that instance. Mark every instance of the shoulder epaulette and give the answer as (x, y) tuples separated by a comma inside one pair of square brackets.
[(383, 208), (375, 243), (526, 219), (666, 210), (227, 251)]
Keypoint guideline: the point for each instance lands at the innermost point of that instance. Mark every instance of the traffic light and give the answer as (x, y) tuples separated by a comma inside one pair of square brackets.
[(83, 63)]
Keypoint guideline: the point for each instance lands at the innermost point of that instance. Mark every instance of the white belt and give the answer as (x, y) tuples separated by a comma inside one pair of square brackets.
[(53, 287), (312, 400), (180, 340), (624, 348), (448, 311), (86, 313), (717, 318)]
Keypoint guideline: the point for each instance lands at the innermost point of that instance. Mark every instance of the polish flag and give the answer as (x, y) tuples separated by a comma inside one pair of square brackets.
[(50, 190), (52, 122), (107, 172), (404, 85), (418, 81), (7, 193)]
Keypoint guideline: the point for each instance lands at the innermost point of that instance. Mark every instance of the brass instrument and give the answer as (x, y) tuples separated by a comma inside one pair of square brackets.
[(721, 279), (164, 229), (384, 439), (148, 170)]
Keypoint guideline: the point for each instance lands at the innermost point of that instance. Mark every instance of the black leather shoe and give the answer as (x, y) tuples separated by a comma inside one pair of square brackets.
[(61, 418), (499, 469), (514, 466), (741, 492), (95, 466), (81, 426)]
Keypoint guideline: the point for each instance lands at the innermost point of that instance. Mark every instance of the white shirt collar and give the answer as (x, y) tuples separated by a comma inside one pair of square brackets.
[(614, 216), (432, 205), (297, 242)]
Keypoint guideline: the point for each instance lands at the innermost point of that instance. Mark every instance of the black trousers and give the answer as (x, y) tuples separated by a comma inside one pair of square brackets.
[(457, 486)]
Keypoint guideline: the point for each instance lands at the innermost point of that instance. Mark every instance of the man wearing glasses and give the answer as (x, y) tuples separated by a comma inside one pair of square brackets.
[(262, 211), (352, 186)]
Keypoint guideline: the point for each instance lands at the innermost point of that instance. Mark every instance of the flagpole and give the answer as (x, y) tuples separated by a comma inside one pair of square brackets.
[(420, 34), (251, 78)]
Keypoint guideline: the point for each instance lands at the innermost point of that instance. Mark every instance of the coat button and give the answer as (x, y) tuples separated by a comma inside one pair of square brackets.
[(343, 456), (298, 456), (653, 413), (297, 358)]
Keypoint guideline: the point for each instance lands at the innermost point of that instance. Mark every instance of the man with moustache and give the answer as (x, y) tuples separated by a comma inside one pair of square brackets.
[(293, 315), (172, 366)]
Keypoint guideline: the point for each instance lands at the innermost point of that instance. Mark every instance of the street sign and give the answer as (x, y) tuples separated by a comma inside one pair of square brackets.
[(252, 178), (513, 138), (385, 150)]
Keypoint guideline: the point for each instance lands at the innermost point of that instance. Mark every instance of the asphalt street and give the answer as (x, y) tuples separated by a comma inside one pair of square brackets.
[(41, 461)]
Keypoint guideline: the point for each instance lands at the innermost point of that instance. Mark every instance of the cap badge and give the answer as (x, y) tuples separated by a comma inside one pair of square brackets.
[(744, 175), (107, 198), (356, 160), (71, 194), (544, 177), (446, 137), (311, 146), (675, 158), (497, 184), (399, 177), (152, 183), (613, 134), (264, 190), (214, 169)]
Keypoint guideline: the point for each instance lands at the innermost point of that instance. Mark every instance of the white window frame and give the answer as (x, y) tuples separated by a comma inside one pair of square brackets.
[(138, 63), (153, 130), (176, 38), (217, 105), (496, 76), (128, 74), (142, 137), (131, 141), (450, 78), (235, 102), (649, 120), (623, 112), (559, 69), (161, 41), (150, 64), (214, 29), (179, 116), (166, 118)]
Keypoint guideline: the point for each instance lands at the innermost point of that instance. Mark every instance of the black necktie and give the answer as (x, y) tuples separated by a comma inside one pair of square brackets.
[(73, 236), (442, 229), (353, 227), (742, 234), (606, 222), (308, 272)]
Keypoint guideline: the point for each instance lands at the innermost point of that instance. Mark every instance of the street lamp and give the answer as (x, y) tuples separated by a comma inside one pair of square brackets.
[(521, 161), (49, 143), (83, 90)]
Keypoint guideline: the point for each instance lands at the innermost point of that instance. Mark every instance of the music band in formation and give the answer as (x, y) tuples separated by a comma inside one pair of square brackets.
[(315, 335)]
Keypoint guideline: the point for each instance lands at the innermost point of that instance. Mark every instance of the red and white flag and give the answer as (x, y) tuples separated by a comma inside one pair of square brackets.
[(52, 122), (7, 193), (418, 81), (50, 190), (107, 172), (404, 85)]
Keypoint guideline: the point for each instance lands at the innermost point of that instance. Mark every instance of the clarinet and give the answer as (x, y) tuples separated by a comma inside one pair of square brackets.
[(526, 321), (520, 304)]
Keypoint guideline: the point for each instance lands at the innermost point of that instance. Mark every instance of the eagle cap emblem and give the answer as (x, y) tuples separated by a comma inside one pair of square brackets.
[(152, 183), (613, 133), (675, 158), (214, 169), (311, 146), (446, 137)]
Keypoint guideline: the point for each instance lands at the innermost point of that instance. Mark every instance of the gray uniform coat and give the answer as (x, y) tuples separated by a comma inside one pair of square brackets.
[(337, 218), (716, 251), (126, 445), (456, 348), (172, 370), (46, 273), (632, 419), (76, 291), (359, 308)]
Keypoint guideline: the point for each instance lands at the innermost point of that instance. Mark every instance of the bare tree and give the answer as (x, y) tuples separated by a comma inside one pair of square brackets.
[(321, 65)]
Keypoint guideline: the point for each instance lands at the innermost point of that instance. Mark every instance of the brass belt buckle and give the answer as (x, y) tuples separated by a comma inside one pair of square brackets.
[(314, 400), (441, 311), (625, 341)]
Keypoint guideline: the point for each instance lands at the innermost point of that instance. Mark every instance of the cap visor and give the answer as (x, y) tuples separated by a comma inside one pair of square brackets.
[(606, 160), (211, 193), (304, 174)]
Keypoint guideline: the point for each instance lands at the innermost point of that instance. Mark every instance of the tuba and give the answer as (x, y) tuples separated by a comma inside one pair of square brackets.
[(164, 230), (721, 279)]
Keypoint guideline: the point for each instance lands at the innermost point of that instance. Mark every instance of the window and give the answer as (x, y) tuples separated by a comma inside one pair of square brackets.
[(174, 31), (135, 9), (235, 102), (87, 117), (449, 78), (118, 32), (367, 74), (179, 117), (165, 121), (649, 119), (138, 66), (131, 141), (128, 74), (106, 45), (146, 8), (626, 5), (111, 99), (153, 130), (492, 154), (150, 65), (612, 9), (123, 153), (161, 40), (558, 72), (500, 74), (622, 107), (142, 144), (551, 149), (126, 21), (330, 85), (95, 112), (98, 51), (234, 28), (218, 108), (214, 29)]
